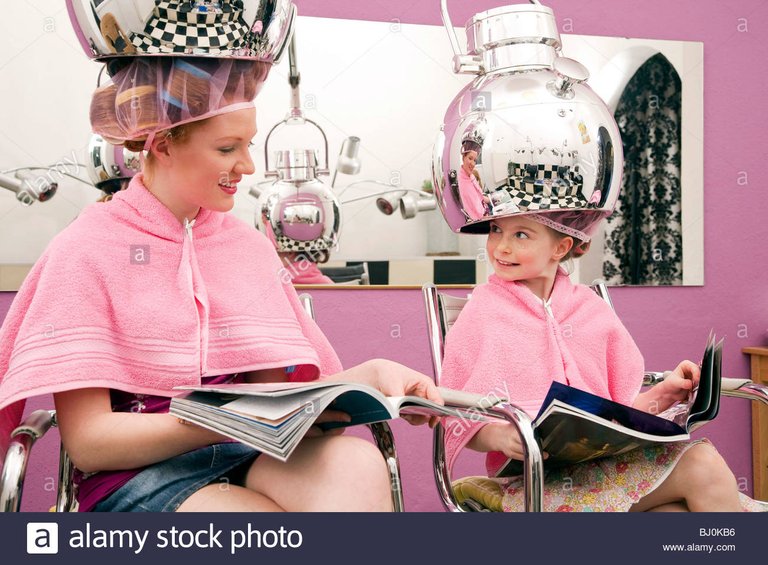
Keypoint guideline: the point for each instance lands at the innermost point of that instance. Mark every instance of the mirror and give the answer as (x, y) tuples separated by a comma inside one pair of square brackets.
[(385, 82)]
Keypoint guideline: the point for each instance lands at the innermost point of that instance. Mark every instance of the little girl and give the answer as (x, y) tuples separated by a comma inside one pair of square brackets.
[(529, 326)]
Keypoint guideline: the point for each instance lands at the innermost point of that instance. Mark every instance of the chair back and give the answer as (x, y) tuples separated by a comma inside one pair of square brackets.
[(442, 312)]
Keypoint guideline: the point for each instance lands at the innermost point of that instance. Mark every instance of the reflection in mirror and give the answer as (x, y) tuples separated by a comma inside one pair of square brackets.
[(393, 98), (643, 239), (655, 89)]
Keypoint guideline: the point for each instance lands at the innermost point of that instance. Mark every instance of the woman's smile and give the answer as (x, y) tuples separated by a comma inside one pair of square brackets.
[(230, 187)]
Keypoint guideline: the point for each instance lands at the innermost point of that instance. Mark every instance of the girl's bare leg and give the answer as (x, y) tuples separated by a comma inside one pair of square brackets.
[(700, 482)]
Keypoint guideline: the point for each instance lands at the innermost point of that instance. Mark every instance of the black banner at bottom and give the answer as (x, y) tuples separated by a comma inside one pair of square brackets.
[(190, 539)]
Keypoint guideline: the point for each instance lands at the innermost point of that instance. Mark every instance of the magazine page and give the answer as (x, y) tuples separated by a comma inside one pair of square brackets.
[(611, 411)]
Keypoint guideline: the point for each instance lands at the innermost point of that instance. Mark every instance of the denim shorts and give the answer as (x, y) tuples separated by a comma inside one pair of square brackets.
[(162, 487)]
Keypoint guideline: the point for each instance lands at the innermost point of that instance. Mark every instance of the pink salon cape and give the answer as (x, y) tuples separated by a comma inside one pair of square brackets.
[(128, 298), (506, 341)]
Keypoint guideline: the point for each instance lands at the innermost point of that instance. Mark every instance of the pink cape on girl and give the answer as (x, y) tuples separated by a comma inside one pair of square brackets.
[(126, 297), (506, 344)]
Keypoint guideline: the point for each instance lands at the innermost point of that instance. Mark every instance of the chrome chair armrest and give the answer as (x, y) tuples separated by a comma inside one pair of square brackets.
[(469, 400), (17, 457), (744, 388), (66, 497), (735, 388), (651, 378), (36, 424), (533, 462)]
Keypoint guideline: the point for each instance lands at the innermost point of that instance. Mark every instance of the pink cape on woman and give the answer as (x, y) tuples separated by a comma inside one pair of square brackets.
[(507, 344), (471, 195), (128, 298)]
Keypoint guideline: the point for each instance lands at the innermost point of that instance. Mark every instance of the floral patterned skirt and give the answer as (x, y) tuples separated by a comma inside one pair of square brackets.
[(611, 484)]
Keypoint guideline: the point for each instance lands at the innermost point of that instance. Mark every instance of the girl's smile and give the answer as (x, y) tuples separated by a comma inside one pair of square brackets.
[(506, 264)]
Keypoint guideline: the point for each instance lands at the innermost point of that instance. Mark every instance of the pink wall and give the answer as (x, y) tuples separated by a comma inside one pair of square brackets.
[(667, 323)]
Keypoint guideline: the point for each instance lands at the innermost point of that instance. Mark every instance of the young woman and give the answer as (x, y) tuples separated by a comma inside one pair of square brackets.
[(473, 198), (159, 288)]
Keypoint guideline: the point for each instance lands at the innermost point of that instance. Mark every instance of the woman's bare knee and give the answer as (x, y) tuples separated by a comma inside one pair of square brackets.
[(338, 473), (223, 497)]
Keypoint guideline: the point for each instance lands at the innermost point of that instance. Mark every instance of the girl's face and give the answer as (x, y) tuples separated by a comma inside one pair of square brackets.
[(521, 249), (469, 160), (206, 166)]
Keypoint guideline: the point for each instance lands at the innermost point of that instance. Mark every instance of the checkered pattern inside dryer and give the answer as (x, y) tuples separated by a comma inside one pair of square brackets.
[(288, 244), (528, 203), (162, 35), (179, 12), (544, 172), (543, 187)]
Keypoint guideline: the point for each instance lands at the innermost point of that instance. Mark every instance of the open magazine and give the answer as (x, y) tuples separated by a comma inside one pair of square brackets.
[(273, 417), (574, 426)]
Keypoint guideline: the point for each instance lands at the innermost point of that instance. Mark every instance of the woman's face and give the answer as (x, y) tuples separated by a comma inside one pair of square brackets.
[(469, 160), (206, 167)]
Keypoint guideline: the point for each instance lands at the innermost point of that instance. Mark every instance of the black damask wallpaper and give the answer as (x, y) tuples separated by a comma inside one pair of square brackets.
[(644, 235)]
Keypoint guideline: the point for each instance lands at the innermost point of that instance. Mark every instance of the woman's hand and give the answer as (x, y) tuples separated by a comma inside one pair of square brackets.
[(394, 379), (328, 416)]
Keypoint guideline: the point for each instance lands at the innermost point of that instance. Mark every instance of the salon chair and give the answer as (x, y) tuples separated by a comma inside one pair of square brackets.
[(442, 311)]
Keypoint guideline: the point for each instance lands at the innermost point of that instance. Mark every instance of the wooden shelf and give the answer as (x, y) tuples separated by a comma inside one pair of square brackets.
[(759, 374)]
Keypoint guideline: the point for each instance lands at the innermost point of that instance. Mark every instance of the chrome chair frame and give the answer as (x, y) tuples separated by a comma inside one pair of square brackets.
[(442, 311), (15, 466)]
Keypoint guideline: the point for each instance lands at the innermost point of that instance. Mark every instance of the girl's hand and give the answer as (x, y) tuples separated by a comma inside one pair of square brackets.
[(678, 385), (502, 437), (394, 379), (507, 439)]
